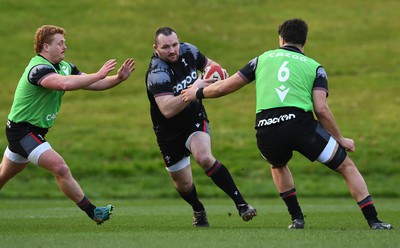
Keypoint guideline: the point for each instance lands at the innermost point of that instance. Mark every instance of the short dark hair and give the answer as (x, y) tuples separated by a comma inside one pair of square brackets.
[(167, 31), (294, 31)]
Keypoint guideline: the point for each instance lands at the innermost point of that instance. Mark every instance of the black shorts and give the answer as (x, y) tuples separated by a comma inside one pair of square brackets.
[(172, 142), (302, 133), (23, 137)]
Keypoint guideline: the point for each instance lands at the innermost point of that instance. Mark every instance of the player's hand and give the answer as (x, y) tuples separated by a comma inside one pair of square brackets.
[(106, 68), (126, 69), (189, 94), (225, 73), (348, 144), (202, 83)]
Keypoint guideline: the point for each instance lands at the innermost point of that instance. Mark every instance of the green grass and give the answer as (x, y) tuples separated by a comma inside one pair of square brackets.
[(107, 136), (167, 223), (107, 139)]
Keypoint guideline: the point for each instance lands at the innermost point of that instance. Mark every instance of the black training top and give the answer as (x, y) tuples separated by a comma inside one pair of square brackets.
[(164, 78)]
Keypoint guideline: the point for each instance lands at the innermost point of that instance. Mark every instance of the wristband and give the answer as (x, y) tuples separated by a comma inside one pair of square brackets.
[(199, 93)]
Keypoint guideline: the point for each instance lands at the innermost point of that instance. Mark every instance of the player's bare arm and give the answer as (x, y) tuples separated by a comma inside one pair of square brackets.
[(202, 83), (217, 89), (327, 120), (111, 81), (170, 105), (74, 82)]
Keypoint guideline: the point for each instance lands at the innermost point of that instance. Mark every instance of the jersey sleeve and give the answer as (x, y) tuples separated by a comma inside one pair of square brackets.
[(321, 80), (200, 58), (248, 72), (201, 61), (38, 72), (74, 70), (159, 83)]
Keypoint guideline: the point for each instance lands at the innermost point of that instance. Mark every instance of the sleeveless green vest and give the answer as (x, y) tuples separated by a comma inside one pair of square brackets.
[(285, 79), (34, 104)]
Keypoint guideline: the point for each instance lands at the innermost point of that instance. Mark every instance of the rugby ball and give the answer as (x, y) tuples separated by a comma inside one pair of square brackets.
[(214, 71)]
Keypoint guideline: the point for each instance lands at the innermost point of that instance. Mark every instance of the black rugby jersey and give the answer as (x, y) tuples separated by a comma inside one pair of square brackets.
[(171, 78)]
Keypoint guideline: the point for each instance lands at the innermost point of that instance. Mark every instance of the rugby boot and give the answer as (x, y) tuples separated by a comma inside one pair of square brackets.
[(378, 225), (200, 219), (246, 211), (102, 214), (297, 224)]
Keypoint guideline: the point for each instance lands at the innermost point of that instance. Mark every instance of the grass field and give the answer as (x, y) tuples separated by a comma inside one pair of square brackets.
[(167, 223), (108, 142), (107, 136)]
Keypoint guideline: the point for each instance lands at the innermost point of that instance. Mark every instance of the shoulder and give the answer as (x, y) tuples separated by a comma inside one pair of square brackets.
[(321, 71), (188, 48), (158, 76), (39, 65), (159, 71), (312, 61), (70, 68), (158, 65), (252, 64), (66, 63), (38, 72), (274, 53)]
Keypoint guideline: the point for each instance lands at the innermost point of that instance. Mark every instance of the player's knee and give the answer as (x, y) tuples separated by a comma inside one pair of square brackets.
[(277, 165), (184, 186), (205, 161), (337, 159), (61, 170)]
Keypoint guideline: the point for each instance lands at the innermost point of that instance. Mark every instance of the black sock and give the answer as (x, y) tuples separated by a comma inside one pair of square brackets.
[(368, 209), (223, 179), (87, 206), (192, 198), (290, 199)]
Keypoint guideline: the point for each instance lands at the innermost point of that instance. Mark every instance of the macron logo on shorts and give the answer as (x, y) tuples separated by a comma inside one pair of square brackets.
[(274, 120)]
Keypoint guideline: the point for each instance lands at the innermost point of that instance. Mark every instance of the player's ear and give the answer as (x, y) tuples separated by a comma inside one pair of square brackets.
[(281, 41), (45, 47)]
